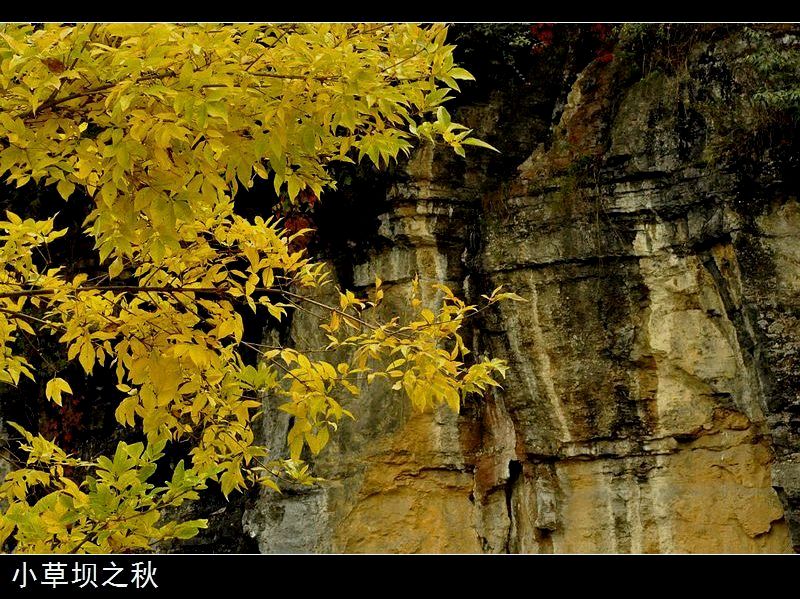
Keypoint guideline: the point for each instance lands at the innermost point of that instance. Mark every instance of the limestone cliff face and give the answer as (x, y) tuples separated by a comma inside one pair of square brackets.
[(652, 400)]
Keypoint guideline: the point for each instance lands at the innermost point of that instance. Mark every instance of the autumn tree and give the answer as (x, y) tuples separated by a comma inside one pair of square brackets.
[(157, 127)]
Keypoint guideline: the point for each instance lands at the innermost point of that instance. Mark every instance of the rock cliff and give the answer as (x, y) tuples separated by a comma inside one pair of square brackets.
[(649, 213)]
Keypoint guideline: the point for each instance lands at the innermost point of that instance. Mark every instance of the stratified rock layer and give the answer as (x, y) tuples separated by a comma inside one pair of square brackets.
[(652, 396)]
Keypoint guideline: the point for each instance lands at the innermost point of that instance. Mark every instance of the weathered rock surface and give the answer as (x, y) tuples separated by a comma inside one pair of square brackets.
[(652, 400)]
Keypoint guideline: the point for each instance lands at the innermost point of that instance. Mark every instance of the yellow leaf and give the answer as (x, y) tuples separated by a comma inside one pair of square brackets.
[(115, 268), (65, 188), (226, 328), (275, 311), (86, 357), (231, 480), (55, 387), (296, 447), (25, 327), (126, 409), (317, 441)]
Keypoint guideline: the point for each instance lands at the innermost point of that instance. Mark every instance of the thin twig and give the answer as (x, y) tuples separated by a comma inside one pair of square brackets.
[(22, 315)]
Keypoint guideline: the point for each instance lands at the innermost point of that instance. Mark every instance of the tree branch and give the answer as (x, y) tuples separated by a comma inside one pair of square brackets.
[(120, 289)]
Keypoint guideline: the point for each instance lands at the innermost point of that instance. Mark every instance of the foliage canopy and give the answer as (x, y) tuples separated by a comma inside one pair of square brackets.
[(157, 126)]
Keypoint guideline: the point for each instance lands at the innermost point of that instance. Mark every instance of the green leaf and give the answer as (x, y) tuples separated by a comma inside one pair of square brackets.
[(459, 73), (187, 530), (443, 117), (472, 141)]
